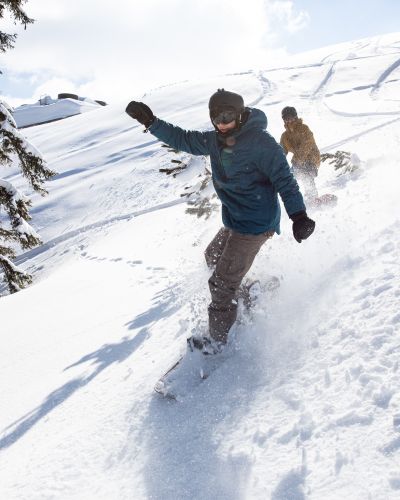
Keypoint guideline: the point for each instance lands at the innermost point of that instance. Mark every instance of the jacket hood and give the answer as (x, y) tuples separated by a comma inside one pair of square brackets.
[(257, 119)]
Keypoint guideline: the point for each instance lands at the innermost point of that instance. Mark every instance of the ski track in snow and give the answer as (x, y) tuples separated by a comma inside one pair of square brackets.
[(355, 136), (90, 227), (267, 87), (320, 90), (385, 75), (358, 88), (345, 113)]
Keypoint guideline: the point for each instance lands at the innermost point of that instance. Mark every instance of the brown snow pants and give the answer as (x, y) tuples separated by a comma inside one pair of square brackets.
[(232, 254)]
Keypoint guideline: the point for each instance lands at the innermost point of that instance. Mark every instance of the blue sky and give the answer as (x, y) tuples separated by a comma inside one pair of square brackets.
[(87, 48), (335, 21)]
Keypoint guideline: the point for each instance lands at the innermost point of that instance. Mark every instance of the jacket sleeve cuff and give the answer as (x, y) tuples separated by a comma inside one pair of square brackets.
[(153, 124), (298, 215)]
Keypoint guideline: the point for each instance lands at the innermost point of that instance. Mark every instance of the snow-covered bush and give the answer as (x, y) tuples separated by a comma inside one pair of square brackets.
[(343, 161), (201, 197)]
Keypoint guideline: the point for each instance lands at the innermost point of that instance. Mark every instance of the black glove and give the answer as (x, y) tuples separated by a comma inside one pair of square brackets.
[(140, 112), (303, 226)]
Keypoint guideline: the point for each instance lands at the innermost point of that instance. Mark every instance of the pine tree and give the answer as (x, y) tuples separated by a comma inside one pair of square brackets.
[(15, 150), (7, 40)]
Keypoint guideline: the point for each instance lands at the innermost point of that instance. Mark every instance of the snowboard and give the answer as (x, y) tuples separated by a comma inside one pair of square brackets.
[(183, 377), (193, 366), (325, 200)]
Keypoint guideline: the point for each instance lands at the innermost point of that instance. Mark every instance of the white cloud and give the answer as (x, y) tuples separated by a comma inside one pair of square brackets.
[(283, 11), (124, 47), (54, 86)]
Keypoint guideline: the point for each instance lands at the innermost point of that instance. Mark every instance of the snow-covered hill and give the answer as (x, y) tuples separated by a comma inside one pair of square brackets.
[(308, 406)]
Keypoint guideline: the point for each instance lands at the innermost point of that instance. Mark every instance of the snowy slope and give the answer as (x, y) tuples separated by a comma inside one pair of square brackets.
[(308, 406)]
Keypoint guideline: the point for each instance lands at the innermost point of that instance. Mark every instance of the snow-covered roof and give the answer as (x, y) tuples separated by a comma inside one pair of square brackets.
[(47, 110)]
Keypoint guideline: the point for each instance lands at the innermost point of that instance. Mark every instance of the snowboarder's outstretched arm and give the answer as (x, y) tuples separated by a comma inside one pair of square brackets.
[(193, 142)]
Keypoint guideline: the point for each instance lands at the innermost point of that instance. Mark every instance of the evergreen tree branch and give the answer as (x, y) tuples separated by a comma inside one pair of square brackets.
[(7, 40), (17, 206), (15, 8), (14, 278), (33, 167), (12, 142), (7, 236)]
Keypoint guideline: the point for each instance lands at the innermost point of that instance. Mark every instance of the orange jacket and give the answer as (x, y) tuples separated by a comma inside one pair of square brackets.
[(299, 140)]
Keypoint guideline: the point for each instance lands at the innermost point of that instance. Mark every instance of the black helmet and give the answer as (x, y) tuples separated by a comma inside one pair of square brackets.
[(223, 99), (289, 112), (225, 107)]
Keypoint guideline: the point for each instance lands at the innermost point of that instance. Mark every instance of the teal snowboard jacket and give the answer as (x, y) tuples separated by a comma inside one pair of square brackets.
[(247, 175)]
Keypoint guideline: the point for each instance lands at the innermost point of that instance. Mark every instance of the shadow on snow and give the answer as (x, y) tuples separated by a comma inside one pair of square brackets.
[(104, 357)]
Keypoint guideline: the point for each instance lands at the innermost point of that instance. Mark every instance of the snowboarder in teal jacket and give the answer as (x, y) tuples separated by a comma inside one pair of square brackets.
[(249, 169)]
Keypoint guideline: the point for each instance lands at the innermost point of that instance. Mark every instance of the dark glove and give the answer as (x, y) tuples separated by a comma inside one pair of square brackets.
[(303, 226), (140, 112)]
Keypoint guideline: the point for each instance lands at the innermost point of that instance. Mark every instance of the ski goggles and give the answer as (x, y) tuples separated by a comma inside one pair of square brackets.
[(224, 116)]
